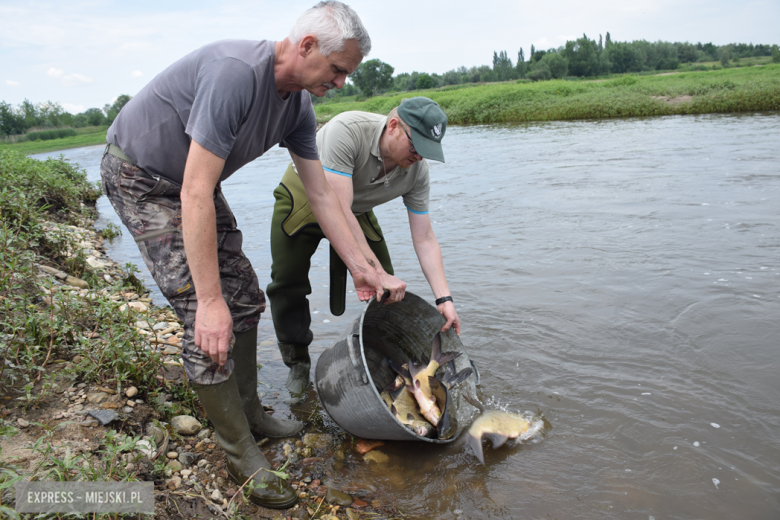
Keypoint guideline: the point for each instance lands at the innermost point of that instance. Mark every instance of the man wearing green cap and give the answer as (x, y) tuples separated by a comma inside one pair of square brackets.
[(369, 159)]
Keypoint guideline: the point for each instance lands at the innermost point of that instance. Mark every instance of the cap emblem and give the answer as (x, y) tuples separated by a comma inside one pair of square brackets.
[(436, 130)]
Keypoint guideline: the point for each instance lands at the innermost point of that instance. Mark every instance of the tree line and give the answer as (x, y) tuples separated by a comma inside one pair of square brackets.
[(582, 57), (20, 119)]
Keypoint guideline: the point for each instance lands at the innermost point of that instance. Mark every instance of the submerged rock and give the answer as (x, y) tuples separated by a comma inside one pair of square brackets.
[(334, 496), (317, 441)]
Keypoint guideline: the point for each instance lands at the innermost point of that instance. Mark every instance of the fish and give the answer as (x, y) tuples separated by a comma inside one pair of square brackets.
[(421, 387), (404, 407), (426, 402), (495, 425), (448, 424)]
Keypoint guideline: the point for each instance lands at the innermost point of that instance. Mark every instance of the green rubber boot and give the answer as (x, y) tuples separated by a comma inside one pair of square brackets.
[(223, 406), (260, 423), (297, 358)]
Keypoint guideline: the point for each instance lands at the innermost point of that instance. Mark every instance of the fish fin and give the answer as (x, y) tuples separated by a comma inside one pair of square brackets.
[(395, 411), (456, 379), (436, 346), (473, 401), (409, 417), (434, 382), (395, 393), (396, 367), (414, 369), (497, 439), (476, 446)]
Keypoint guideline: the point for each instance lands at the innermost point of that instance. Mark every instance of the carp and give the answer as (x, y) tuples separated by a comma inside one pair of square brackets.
[(497, 426), (448, 424)]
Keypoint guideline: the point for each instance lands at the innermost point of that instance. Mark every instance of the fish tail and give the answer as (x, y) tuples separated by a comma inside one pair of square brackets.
[(473, 401), (456, 379), (497, 439), (476, 446)]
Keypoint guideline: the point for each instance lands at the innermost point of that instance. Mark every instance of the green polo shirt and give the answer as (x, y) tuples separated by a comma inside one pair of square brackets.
[(349, 145)]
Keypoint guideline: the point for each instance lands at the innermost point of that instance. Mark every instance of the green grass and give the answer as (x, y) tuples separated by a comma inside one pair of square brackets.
[(89, 136), (743, 89)]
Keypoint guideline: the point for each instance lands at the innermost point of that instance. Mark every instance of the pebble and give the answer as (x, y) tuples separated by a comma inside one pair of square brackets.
[(131, 392), (173, 483), (22, 423), (172, 455), (186, 425), (187, 458), (160, 326), (334, 496), (136, 306), (363, 446), (204, 433), (174, 466), (145, 448), (97, 397), (130, 467), (216, 496), (127, 409)]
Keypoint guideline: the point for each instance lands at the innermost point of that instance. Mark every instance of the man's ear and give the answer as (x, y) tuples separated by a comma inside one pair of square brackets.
[(307, 44), (392, 125)]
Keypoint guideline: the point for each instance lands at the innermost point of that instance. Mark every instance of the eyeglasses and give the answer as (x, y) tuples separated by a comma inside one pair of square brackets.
[(412, 150)]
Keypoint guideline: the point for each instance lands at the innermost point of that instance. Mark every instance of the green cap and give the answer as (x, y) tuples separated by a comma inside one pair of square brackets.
[(428, 123)]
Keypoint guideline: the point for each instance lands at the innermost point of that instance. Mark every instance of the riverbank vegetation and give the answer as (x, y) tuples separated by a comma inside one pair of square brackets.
[(742, 89), (46, 127), (580, 58), (88, 136)]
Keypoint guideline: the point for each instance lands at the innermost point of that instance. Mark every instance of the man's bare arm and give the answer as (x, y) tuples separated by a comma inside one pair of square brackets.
[(429, 254), (213, 322), (342, 186)]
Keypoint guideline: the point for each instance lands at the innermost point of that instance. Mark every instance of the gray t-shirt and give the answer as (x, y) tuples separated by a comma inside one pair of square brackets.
[(349, 146), (223, 96)]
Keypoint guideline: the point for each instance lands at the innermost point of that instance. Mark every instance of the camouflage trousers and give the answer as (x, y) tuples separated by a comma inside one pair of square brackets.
[(150, 208)]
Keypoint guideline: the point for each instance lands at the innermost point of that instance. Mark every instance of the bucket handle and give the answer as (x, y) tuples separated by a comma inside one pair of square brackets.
[(353, 346)]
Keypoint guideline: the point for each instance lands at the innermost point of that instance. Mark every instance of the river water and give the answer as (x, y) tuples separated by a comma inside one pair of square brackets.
[(620, 277)]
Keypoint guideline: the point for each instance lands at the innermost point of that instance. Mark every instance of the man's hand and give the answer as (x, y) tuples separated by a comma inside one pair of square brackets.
[(214, 330), (447, 309), (366, 285), (395, 286)]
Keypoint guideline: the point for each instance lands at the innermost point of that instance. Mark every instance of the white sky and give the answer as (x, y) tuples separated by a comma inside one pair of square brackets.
[(84, 53)]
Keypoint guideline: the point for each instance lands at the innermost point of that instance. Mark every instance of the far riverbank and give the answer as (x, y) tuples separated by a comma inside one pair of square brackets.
[(744, 89)]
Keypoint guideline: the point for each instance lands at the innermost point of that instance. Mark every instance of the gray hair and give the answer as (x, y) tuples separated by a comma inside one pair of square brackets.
[(332, 23)]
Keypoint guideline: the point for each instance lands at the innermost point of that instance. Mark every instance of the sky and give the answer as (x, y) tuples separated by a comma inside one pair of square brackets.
[(84, 53)]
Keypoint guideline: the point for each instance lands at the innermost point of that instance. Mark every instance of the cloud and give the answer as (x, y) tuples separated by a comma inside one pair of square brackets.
[(73, 109), (54, 73), (72, 80), (12, 83), (136, 74)]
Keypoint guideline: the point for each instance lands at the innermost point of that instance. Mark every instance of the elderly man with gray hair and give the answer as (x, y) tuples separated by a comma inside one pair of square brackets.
[(189, 129)]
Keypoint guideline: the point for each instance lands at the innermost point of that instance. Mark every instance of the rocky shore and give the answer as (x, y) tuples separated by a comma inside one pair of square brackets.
[(105, 426)]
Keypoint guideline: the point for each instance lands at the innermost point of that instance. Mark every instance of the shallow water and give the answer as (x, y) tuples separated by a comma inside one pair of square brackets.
[(620, 277)]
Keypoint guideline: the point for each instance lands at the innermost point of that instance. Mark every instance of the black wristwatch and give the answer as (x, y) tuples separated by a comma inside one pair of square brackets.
[(443, 299)]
